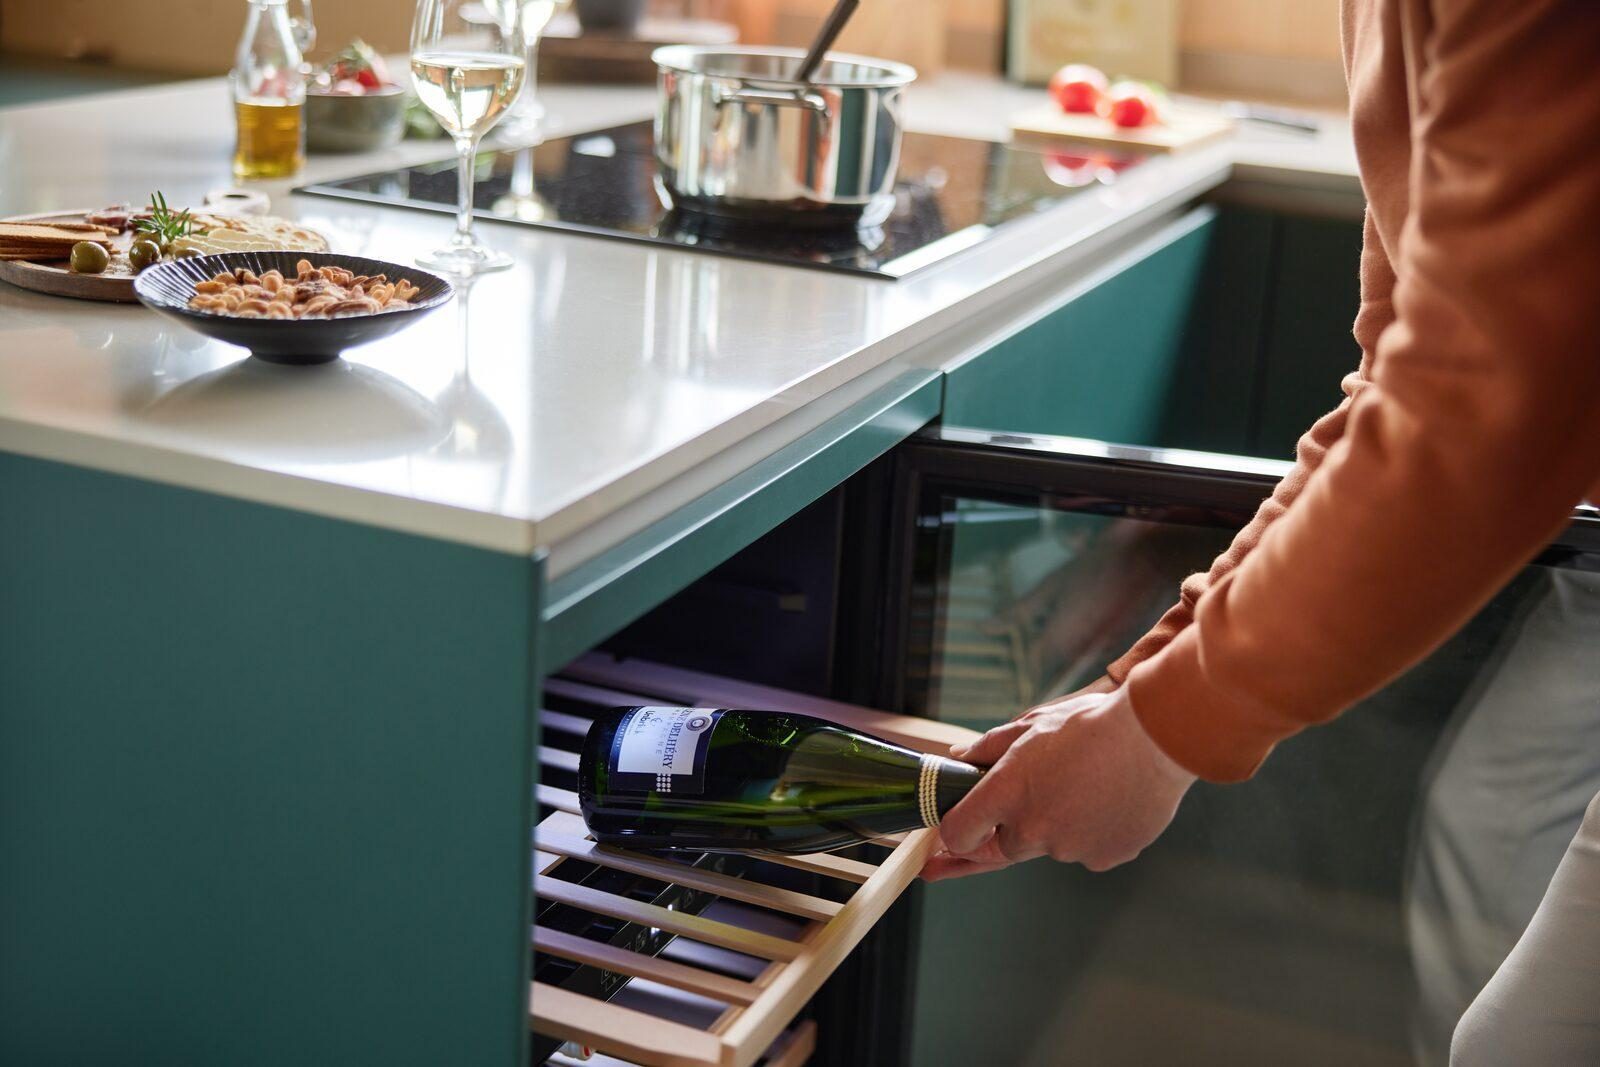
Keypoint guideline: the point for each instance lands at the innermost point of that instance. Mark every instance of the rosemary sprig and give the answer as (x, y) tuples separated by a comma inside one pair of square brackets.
[(165, 224)]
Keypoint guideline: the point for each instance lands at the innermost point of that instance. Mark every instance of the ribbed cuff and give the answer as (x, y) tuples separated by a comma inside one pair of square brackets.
[(1200, 728)]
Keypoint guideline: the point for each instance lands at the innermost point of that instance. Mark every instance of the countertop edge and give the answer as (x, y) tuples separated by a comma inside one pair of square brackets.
[(220, 477)]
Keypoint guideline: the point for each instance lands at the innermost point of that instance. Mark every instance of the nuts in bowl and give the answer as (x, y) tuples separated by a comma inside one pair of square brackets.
[(292, 307), (312, 293)]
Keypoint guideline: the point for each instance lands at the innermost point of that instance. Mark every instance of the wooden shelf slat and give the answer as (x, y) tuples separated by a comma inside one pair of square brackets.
[(558, 836), (560, 799), (758, 1025), (824, 863), (561, 722), (558, 758), (611, 958), (794, 1048), (599, 696), (630, 1034), (723, 935)]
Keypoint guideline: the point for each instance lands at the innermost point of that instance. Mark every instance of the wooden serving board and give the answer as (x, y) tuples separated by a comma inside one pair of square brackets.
[(114, 286), (1183, 128)]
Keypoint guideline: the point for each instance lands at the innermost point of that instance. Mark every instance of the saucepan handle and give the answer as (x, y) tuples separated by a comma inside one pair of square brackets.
[(811, 100)]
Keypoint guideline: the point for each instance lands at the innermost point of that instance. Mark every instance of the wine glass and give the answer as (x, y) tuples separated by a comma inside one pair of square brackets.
[(522, 201), (467, 63), (527, 115)]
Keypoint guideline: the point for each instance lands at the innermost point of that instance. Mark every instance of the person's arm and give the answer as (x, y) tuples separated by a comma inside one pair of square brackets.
[(1479, 432), (1481, 428), (1377, 311)]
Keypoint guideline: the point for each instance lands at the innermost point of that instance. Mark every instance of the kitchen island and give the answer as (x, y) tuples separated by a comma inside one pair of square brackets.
[(271, 639)]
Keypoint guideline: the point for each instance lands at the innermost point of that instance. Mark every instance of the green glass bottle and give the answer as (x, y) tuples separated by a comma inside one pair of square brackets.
[(720, 780)]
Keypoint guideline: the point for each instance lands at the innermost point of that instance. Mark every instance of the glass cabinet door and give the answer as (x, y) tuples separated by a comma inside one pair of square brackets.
[(1341, 907)]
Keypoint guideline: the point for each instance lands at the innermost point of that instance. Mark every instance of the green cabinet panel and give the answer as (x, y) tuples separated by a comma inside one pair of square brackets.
[(1215, 388), (265, 783), (1228, 332), (1157, 348), (1308, 347)]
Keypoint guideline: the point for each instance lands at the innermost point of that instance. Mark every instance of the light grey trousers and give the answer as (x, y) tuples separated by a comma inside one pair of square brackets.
[(1542, 1007), (1502, 900)]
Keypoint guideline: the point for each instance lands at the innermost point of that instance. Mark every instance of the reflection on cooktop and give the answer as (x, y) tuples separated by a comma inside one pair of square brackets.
[(952, 194)]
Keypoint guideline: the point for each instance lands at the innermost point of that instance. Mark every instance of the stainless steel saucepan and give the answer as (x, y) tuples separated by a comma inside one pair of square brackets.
[(738, 137)]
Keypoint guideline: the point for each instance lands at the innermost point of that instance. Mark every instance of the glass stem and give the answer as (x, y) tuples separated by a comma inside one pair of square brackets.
[(467, 149)]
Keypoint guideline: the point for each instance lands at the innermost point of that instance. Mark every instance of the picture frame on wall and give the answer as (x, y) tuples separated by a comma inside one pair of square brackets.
[(1125, 38)]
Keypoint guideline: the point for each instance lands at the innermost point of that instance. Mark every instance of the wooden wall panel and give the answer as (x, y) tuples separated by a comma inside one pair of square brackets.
[(1301, 29), (184, 36), (1276, 37)]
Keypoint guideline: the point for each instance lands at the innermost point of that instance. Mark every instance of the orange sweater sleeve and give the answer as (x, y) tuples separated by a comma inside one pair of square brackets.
[(1479, 430), (1377, 283)]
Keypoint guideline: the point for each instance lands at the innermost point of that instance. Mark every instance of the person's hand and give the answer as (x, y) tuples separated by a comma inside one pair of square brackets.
[(1078, 781), (1102, 684)]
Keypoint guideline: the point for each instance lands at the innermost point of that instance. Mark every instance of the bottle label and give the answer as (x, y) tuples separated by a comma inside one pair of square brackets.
[(663, 750)]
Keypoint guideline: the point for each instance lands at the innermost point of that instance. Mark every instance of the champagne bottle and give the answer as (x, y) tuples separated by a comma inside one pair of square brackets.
[(721, 780)]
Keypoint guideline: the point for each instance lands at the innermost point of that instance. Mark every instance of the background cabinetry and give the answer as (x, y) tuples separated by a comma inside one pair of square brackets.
[(1227, 331)]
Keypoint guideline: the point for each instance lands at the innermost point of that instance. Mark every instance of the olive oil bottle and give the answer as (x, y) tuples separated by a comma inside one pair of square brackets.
[(722, 780), (271, 139), (269, 91)]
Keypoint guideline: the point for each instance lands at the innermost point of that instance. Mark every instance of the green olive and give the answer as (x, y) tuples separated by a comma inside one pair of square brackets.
[(144, 254), (89, 258), (164, 247), (188, 253)]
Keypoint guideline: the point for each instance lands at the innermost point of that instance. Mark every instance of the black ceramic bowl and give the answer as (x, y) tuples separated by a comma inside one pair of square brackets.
[(167, 288)]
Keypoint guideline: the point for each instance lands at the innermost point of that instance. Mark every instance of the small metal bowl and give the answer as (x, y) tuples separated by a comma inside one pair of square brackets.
[(167, 288), (341, 123)]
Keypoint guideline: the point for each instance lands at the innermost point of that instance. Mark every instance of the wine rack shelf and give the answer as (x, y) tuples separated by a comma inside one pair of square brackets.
[(789, 940)]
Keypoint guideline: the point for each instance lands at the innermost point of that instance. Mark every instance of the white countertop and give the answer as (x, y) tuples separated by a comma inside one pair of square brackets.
[(556, 397)]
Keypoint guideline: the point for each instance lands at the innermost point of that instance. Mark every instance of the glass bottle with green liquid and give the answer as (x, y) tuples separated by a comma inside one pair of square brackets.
[(723, 780)]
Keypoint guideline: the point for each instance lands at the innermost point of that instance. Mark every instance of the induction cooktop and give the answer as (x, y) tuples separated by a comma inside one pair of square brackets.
[(952, 194)]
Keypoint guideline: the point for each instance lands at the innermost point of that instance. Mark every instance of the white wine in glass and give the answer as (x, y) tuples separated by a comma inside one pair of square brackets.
[(466, 91), (467, 70)]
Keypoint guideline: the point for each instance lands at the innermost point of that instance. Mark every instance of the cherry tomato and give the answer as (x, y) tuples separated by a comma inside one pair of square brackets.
[(1078, 88), (375, 75), (1130, 104)]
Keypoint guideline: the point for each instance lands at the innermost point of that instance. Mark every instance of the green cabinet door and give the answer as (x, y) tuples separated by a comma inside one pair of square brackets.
[(1307, 346), (1157, 347), (1227, 331), (265, 784)]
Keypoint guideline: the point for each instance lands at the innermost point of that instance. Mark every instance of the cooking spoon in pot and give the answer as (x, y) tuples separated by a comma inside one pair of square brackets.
[(825, 37)]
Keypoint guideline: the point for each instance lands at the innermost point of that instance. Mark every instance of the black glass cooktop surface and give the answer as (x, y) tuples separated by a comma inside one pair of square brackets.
[(952, 194)]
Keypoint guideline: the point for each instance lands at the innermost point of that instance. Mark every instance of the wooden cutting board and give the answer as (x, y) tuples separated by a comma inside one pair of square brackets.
[(56, 280), (1183, 128), (116, 284)]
